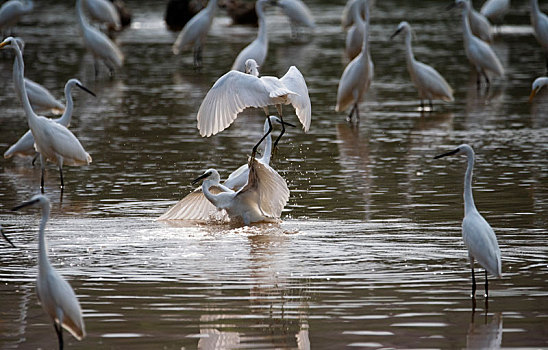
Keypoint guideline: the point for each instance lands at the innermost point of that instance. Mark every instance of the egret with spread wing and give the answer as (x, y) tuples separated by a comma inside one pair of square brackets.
[(236, 91), (54, 293), (479, 237), (53, 141), (430, 84)]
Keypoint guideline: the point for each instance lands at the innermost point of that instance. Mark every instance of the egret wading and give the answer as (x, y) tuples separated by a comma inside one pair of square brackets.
[(478, 236), (54, 293), (538, 84), (357, 77), (236, 91), (195, 31), (258, 48), (195, 205), (429, 83), (53, 141), (25, 145)]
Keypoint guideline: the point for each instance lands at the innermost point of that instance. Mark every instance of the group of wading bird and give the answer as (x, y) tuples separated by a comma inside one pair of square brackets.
[(254, 192)]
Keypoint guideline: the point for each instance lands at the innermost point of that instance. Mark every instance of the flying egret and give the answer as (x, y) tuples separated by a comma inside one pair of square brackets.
[(6, 237), (195, 31), (352, 6), (53, 141), (538, 84), (478, 52), (479, 237), (54, 293), (258, 48), (354, 36), (357, 77), (195, 205), (11, 12), (25, 145), (539, 21), (261, 199), (430, 84), (103, 11), (98, 44), (41, 100), (495, 10), (298, 13), (236, 91)]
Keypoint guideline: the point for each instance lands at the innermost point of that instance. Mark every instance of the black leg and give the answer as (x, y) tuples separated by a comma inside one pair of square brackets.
[(349, 117), (422, 105), (42, 180), (486, 288), (59, 331), (431, 107), (486, 79), (35, 157), (61, 176), (279, 108), (473, 281), (262, 138), (478, 81), (357, 114)]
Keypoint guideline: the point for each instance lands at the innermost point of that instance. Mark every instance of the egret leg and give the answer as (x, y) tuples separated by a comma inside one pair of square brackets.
[(486, 288), (473, 280), (60, 163), (262, 138), (279, 108), (357, 114), (34, 159), (349, 117), (43, 168), (478, 81), (486, 78), (59, 331), (431, 106), (422, 105)]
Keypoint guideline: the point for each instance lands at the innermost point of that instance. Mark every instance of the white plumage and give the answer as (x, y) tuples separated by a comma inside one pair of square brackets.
[(236, 91), (479, 24), (429, 83), (495, 10), (103, 11), (539, 21), (352, 6), (258, 48), (537, 85), (478, 236), (11, 12), (354, 36), (298, 13)]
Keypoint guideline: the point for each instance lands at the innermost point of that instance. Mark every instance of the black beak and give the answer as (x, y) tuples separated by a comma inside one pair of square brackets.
[(26, 204), (86, 90), (6, 237), (203, 176), (447, 154), (395, 33)]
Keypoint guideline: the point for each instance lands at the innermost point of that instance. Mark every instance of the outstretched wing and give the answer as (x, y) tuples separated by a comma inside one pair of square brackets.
[(194, 206), (295, 82), (231, 94), (270, 189)]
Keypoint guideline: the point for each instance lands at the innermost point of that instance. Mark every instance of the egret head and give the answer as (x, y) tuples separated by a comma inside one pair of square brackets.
[(462, 149), (38, 200), (251, 67), (8, 42), (403, 27), (76, 82), (538, 84), (209, 174), (6, 237), (462, 4)]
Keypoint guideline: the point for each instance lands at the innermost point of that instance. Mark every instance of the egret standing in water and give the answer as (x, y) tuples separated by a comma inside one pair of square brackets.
[(298, 13), (54, 293), (25, 145), (479, 237), (539, 21), (6, 237), (195, 31), (357, 76), (538, 84), (258, 48), (11, 12), (195, 205), (236, 91), (53, 141), (479, 53), (98, 44), (430, 84)]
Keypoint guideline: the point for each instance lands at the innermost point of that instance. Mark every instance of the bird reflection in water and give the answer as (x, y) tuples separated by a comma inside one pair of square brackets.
[(483, 335)]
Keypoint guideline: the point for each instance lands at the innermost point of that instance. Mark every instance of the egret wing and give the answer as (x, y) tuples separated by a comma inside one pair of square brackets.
[(65, 299), (294, 81), (63, 142), (194, 206), (432, 80), (24, 146), (231, 94), (481, 241)]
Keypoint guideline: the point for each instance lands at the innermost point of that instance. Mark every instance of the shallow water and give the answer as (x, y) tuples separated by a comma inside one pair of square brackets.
[(369, 253)]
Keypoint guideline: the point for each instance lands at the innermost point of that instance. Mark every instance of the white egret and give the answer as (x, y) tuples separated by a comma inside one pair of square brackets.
[(538, 84), (11, 12), (53, 141), (41, 100), (25, 145), (430, 84), (350, 7), (539, 21), (195, 31), (357, 77), (478, 52), (195, 205), (54, 293), (478, 236), (495, 10), (236, 91), (6, 237), (261, 199), (98, 44), (298, 13), (258, 48), (479, 24), (103, 11), (354, 36)]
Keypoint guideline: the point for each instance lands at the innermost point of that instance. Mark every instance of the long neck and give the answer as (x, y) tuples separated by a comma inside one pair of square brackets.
[(262, 35), (80, 15), (20, 83), (28, 6), (365, 32), (408, 49), (205, 189), (67, 114), (468, 197), (42, 250), (466, 31), (211, 8), (534, 10)]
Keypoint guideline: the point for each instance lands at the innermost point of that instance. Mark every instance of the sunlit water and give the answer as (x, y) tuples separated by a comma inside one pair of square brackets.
[(369, 253)]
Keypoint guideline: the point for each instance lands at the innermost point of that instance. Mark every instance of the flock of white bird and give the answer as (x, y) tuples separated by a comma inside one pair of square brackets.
[(254, 192)]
